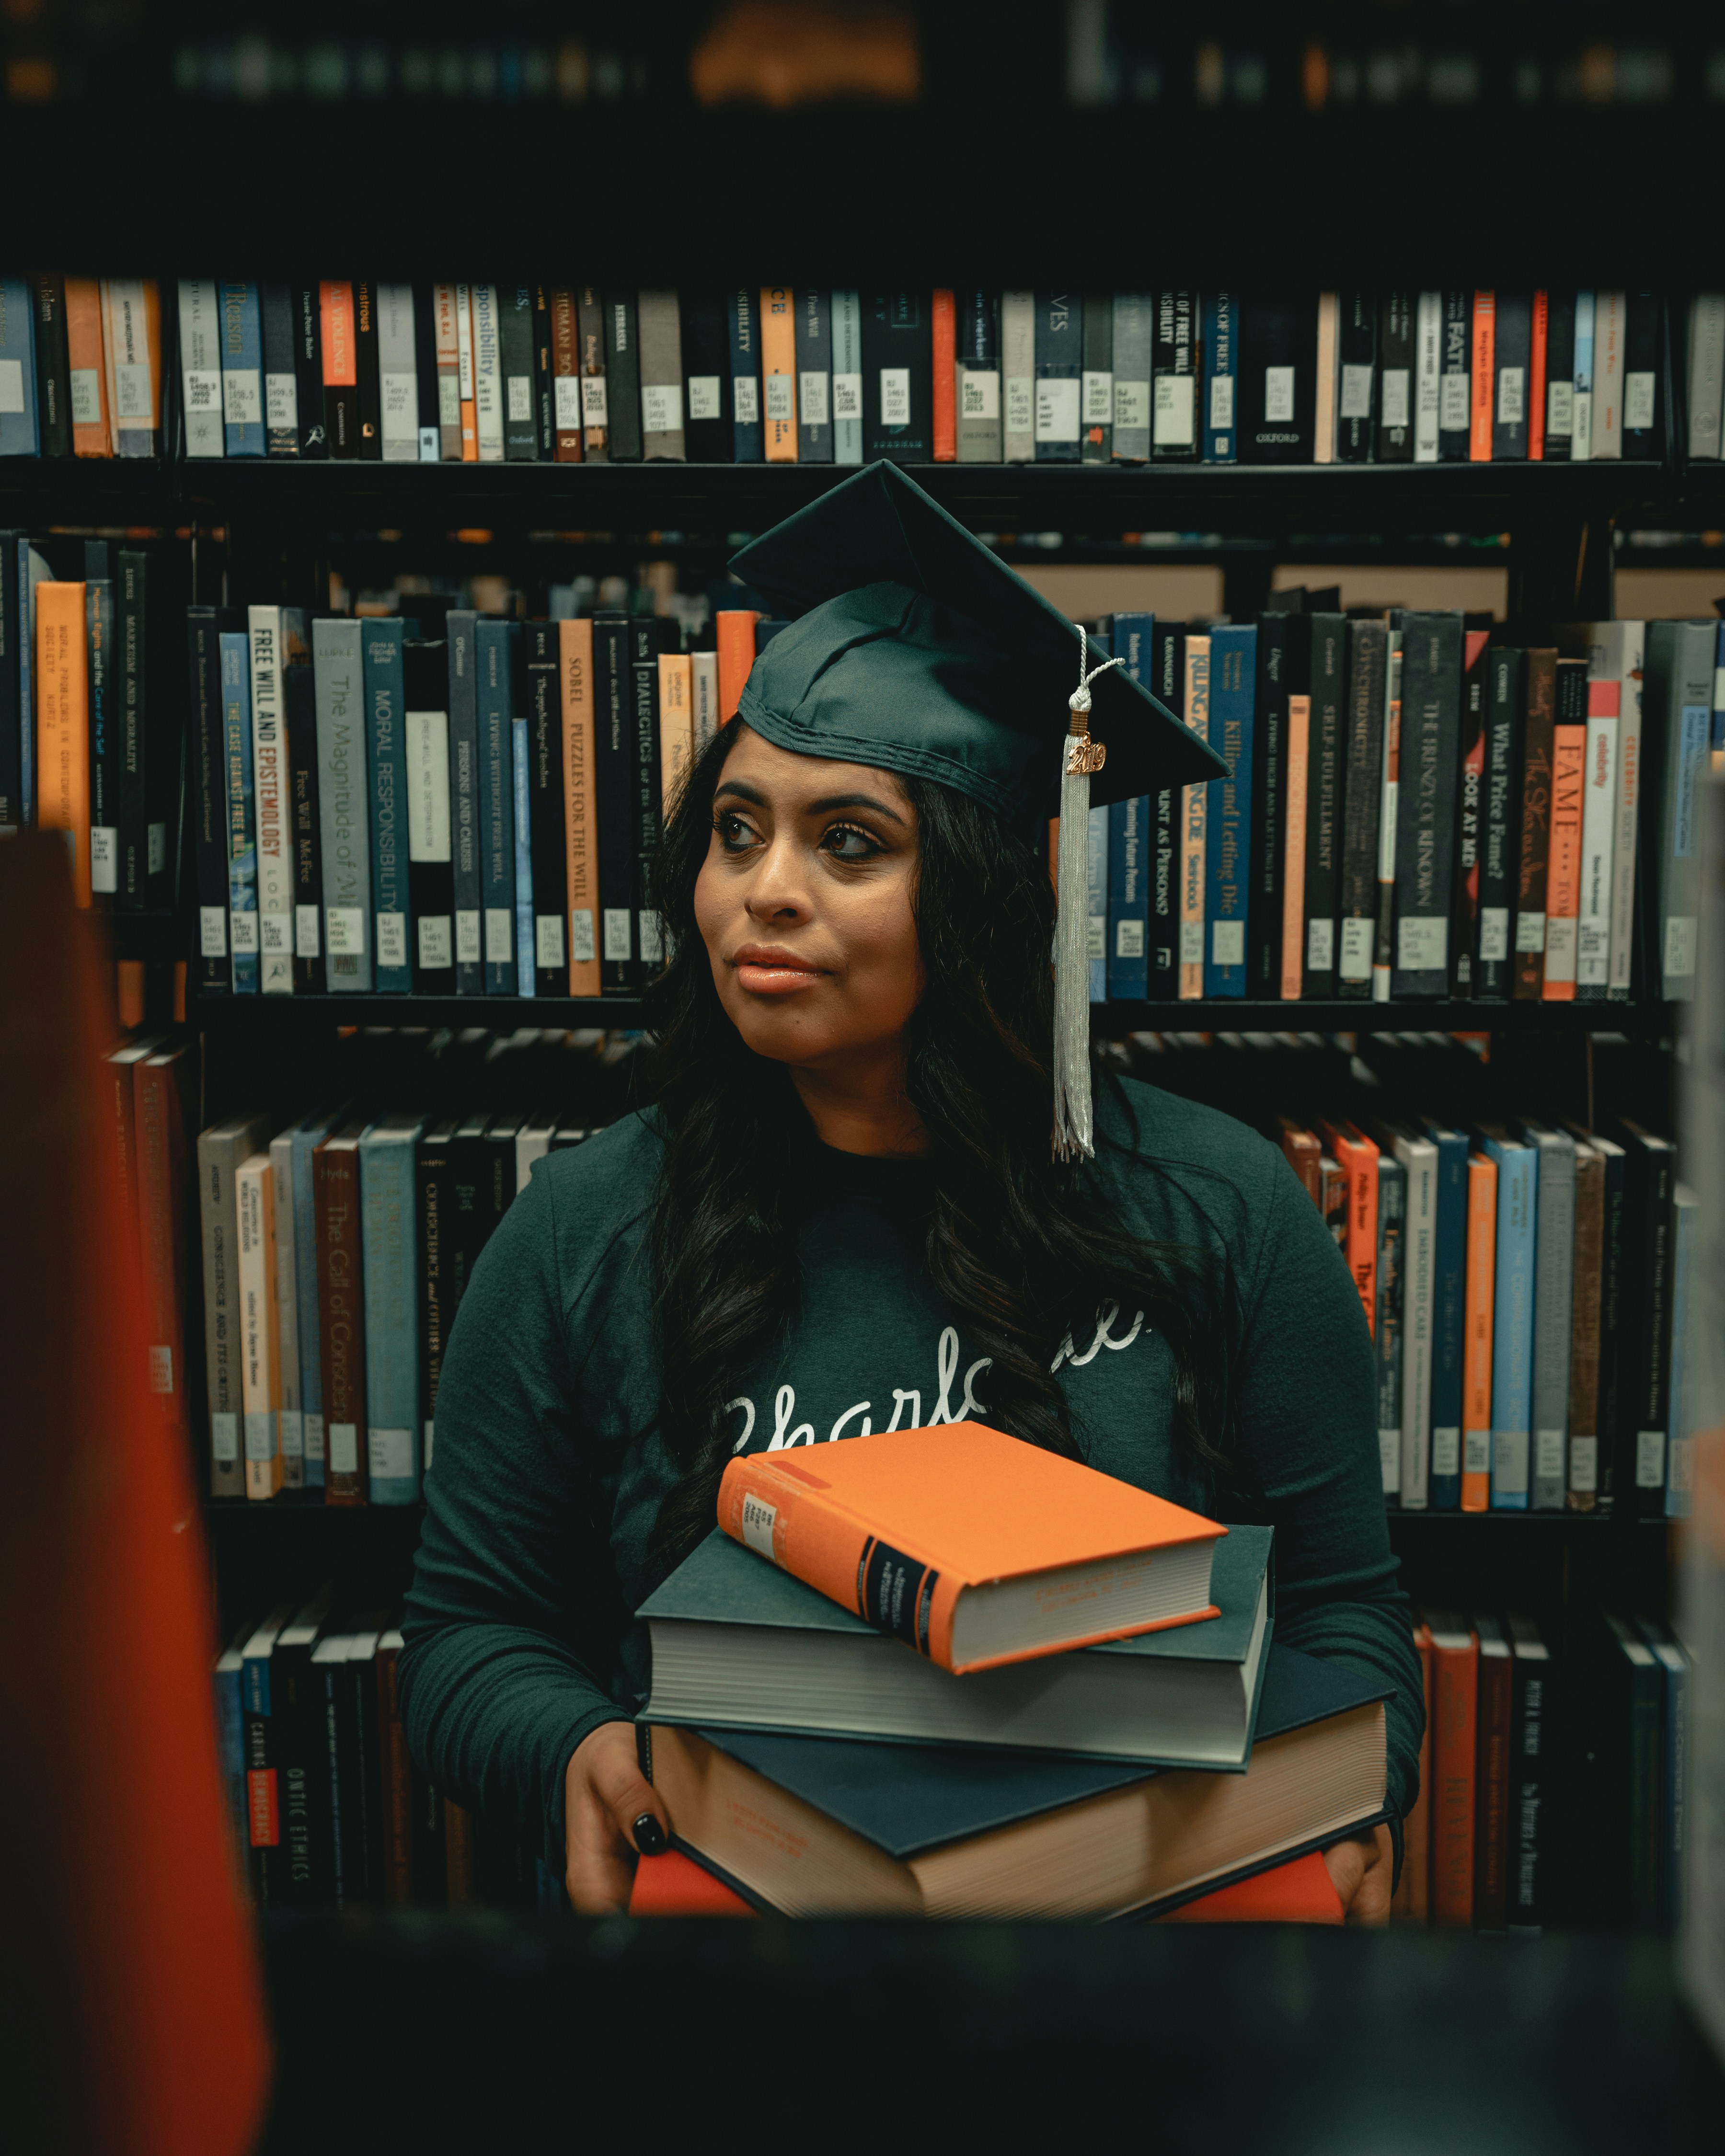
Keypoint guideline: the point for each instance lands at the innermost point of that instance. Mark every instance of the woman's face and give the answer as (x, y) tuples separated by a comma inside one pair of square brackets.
[(804, 904)]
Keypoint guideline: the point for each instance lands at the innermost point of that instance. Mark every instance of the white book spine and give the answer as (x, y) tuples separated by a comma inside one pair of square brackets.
[(1706, 373), (847, 378), (1428, 375), (1599, 830), (344, 803), (1017, 369), (1419, 1285), (201, 368), (1624, 645), (705, 668), (399, 380), (290, 1416), (269, 797), (487, 375), (259, 1393), (1610, 312)]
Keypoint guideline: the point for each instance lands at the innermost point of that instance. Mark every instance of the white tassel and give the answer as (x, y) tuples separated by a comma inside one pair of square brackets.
[(1080, 756)]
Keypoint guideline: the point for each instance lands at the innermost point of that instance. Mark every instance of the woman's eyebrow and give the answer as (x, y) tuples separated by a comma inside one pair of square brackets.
[(744, 791)]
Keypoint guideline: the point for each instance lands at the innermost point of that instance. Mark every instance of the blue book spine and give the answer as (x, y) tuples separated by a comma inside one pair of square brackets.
[(1718, 737), (742, 317), (242, 370), (1059, 352), (386, 693), (242, 831), (388, 1221), (1234, 673), (1129, 841), (525, 984), (496, 805), (18, 435), (1679, 1462), (229, 1684), (25, 639), (1221, 378), (306, 1139), (1448, 1316), (464, 840), (1513, 1323)]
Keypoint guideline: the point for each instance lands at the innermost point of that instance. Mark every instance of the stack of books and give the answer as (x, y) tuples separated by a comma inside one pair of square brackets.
[(944, 1673)]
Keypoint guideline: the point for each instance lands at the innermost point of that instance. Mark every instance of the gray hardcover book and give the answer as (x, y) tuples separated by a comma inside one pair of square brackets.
[(659, 339), (220, 1151), (291, 1420), (1018, 376), (300, 1195), (1706, 371), (344, 805), (1134, 334), (1676, 709), (463, 799), (977, 377), (201, 369), (814, 378), (847, 378), (1553, 1304), (399, 375)]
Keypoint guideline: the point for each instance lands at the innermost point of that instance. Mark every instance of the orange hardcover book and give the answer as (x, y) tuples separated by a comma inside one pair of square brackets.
[(946, 354), (974, 1547), (1302, 1152), (1293, 883), (676, 724), (62, 724), (1562, 882), (1536, 380), (340, 367), (1357, 1156), (778, 372), (734, 632), (1483, 399), (1194, 812), (565, 375), (1479, 1300), (1413, 1898), (1454, 1699), (88, 368), (581, 828)]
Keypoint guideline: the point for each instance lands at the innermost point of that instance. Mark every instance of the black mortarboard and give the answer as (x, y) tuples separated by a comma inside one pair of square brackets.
[(915, 649)]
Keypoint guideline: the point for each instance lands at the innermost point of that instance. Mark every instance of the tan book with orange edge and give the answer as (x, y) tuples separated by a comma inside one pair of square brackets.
[(676, 724), (132, 311), (260, 1345), (88, 369), (1293, 881), (1482, 400), (1357, 1156), (778, 372), (1195, 813), (581, 827), (62, 724), (734, 632), (973, 1547), (1479, 1298)]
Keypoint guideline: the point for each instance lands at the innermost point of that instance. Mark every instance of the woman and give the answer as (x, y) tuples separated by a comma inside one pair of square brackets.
[(843, 1213)]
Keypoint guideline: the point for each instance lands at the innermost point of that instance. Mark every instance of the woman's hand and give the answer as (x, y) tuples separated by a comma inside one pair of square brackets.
[(610, 1811), (1360, 1871)]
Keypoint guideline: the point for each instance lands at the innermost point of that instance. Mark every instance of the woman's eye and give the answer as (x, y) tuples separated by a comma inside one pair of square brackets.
[(845, 843), (734, 835)]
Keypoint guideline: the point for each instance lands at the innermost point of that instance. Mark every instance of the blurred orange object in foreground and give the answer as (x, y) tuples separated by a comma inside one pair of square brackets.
[(786, 52), (131, 2017)]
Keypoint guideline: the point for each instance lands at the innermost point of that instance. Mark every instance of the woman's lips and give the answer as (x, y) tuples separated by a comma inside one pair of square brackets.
[(764, 972)]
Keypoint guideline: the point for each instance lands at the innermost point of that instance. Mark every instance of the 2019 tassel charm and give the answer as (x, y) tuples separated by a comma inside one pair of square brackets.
[(1080, 756)]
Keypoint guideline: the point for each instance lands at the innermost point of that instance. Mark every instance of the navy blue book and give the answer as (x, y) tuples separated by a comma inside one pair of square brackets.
[(281, 384), (1129, 855), (898, 377), (521, 744), (17, 370), (1220, 358), (464, 840), (385, 679), (1060, 376), (1234, 675), (496, 802), (1167, 680), (743, 322), (1449, 1315), (242, 370)]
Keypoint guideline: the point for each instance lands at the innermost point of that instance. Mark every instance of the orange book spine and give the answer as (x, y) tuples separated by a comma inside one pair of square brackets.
[(946, 404), (734, 632), (1536, 380), (676, 724), (1479, 1295), (1562, 889), (580, 808), (778, 372), (1293, 885), (1357, 1156), (62, 724), (87, 368), (465, 396), (1454, 1745), (1485, 377), (1193, 821)]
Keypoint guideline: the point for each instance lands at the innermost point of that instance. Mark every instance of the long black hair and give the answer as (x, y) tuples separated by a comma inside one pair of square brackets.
[(1019, 1246)]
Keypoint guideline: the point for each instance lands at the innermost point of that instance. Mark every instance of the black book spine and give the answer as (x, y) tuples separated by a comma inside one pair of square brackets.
[(266, 1743), (1512, 357), (1426, 803), (1531, 1747), (1097, 395), (1325, 780), (307, 1823), (645, 642), (1643, 401), (104, 720), (431, 896), (437, 1220), (1559, 377), (1501, 822), (1278, 379), (137, 841), (545, 788), (1641, 1454), (1616, 1288), (428, 388), (207, 804), (12, 688), (815, 376), (1395, 380), (1173, 379), (466, 839), (470, 1227), (341, 1680), (281, 381), (707, 376), (515, 341), (340, 381), (1356, 376), (1168, 664), (1470, 816), (1364, 797), (53, 374), (545, 387), (898, 376), (1265, 855), (622, 378), (308, 371), (299, 692), (1455, 381), (614, 795), (366, 364)]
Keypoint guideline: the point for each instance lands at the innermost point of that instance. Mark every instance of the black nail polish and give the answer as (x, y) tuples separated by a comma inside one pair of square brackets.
[(649, 1835)]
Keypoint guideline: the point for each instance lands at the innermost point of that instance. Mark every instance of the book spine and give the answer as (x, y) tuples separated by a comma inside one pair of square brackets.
[(1455, 1690), (1535, 851), (778, 373), (547, 821), (1293, 883), (53, 399), (1626, 643), (1568, 786), (514, 365), (1647, 1393), (1481, 1308), (743, 323), (105, 760), (489, 392), (435, 1213), (1679, 1447), (1449, 1317), (1426, 838), (368, 384), (1559, 377), (815, 377), (390, 1259), (623, 375), (207, 807), (1528, 1798), (281, 376), (201, 368), (575, 676), (1174, 436), (291, 1420), (495, 805), (141, 832), (1193, 814), (660, 336), (1582, 1474), (1233, 665), (1220, 365), (1324, 804), (444, 338), (466, 827), (1394, 442), (163, 1187), (1704, 376), (1058, 387), (1610, 323), (397, 375), (1455, 430), (1419, 1314), (1513, 1328), (1326, 413), (1358, 1159), (301, 731), (522, 747), (378, 761), (92, 432), (1356, 366), (17, 707), (219, 1224), (1554, 1256), (1018, 368), (1428, 376), (428, 392), (345, 801), (271, 804), (898, 377), (134, 348), (262, 1778), (1680, 669), (975, 378), (260, 1392), (1491, 1796), (1388, 1342), (62, 723), (241, 809), (1269, 727), (646, 819), (1512, 361), (943, 359), (1483, 348), (847, 377), (1500, 821), (676, 726), (1536, 379), (341, 368), (242, 370), (545, 424), (1358, 895), (341, 1296), (1581, 429), (590, 349), (1128, 974), (565, 375), (615, 796), (1469, 795), (427, 779), (299, 1194)]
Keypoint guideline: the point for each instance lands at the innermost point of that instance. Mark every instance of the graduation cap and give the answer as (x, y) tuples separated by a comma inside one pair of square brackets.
[(915, 649)]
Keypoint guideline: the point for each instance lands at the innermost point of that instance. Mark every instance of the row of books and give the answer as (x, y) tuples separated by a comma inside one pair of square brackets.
[(540, 373), (1416, 808)]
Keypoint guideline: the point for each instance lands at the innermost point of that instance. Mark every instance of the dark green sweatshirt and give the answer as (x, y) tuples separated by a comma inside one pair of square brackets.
[(546, 1475)]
